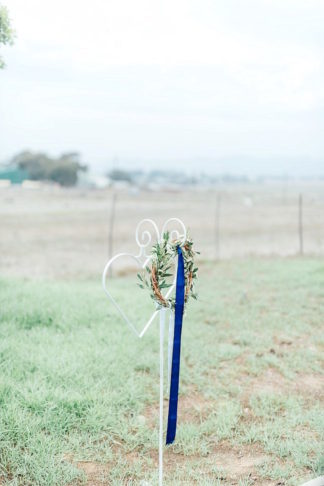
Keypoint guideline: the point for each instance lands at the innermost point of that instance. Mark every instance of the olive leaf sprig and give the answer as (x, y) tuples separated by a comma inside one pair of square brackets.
[(155, 277)]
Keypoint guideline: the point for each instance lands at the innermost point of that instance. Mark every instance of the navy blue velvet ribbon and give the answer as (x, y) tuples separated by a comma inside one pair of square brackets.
[(175, 370)]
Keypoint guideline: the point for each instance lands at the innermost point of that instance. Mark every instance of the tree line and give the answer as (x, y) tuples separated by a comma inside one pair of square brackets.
[(7, 33), (39, 166)]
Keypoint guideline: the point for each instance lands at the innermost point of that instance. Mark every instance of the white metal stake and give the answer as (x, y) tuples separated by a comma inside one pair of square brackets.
[(162, 321), (143, 239)]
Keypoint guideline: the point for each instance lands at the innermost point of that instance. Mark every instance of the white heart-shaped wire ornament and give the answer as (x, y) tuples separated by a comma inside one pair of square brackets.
[(143, 240)]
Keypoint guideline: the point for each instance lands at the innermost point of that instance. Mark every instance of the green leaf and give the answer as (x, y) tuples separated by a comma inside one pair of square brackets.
[(165, 286)]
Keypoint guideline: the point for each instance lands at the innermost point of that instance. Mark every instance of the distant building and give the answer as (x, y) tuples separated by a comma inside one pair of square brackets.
[(13, 174), (88, 180)]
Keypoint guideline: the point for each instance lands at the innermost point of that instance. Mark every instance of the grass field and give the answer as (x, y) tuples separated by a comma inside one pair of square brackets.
[(79, 393)]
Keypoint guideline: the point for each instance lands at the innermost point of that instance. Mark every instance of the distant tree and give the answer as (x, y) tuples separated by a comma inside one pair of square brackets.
[(39, 166), (120, 175), (63, 174), (65, 169), (6, 32)]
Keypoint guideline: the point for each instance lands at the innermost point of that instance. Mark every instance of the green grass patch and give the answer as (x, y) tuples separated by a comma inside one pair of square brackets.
[(77, 385)]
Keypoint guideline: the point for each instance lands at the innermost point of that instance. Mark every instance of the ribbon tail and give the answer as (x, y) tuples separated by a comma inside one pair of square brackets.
[(175, 370)]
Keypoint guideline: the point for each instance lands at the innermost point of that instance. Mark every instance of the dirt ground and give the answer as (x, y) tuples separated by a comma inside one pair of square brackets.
[(64, 233)]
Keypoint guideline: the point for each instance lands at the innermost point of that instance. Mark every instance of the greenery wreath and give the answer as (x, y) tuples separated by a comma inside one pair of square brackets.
[(155, 277)]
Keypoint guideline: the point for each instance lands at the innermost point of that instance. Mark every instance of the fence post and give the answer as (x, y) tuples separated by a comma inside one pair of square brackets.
[(111, 230), (217, 226), (300, 224)]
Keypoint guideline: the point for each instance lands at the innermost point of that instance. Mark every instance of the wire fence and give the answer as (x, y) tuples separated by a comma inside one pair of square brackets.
[(73, 232), (234, 223)]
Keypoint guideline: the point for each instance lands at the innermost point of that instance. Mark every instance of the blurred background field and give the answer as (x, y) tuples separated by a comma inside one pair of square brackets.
[(52, 231)]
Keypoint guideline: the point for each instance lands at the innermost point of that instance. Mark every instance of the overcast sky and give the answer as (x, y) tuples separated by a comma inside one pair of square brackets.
[(236, 85)]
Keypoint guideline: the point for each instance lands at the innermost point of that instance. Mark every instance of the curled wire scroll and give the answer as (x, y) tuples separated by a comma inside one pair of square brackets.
[(144, 240)]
